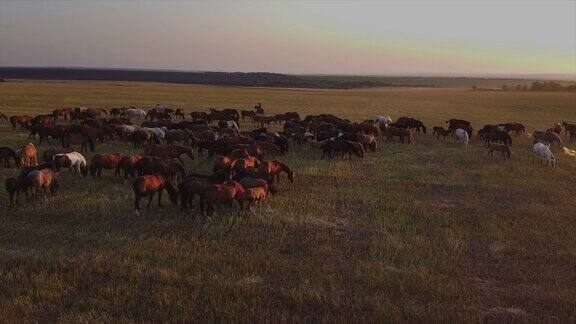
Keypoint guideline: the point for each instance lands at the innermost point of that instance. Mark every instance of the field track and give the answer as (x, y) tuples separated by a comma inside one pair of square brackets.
[(426, 232)]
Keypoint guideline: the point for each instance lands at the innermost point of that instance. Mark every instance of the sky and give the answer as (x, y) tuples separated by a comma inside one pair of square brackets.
[(297, 37)]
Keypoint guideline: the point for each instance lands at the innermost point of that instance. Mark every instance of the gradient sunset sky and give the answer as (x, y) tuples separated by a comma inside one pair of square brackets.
[(328, 37)]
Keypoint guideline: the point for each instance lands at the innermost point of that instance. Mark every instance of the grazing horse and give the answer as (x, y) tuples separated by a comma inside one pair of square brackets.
[(498, 136), (157, 165), (244, 164), (180, 135), (169, 151), (517, 128), (502, 148), (226, 162), (78, 138), (135, 113), (543, 151), (225, 193), (127, 164), (104, 161), (28, 155), (275, 167), (43, 179), (251, 197), (440, 131), (179, 113), (390, 132), (343, 146), (549, 137), (14, 185), (75, 161), (557, 129), (6, 153), (461, 136), (199, 115), (49, 154), (196, 184), (147, 186)]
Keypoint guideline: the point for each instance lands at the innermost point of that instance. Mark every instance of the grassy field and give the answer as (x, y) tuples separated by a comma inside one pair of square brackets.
[(427, 232)]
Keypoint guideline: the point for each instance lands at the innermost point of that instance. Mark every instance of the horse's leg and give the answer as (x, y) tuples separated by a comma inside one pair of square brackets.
[(150, 201), (160, 197)]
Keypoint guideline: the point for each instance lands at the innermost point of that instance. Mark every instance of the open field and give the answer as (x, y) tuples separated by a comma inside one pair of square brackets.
[(427, 232)]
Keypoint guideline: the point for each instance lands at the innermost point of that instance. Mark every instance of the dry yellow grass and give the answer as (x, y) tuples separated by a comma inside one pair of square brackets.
[(428, 232)]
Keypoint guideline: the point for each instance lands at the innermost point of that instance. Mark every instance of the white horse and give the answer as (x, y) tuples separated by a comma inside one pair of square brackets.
[(77, 161), (160, 132), (129, 129), (461, 136), (135, 112), (232, 124), (543, 151), (383, 120)]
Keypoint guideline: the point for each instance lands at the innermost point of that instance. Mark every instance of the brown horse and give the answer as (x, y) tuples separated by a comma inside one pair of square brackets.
[(24, 121), (147, 186), (225, 193), (43, 179), (197, 184), (502, 148), (403, 134), (226, 162), (549, 137), (15, 185), (244, 164), (169, 151), (183, 135), (440, 131), (104, 161), (28, 155), (275, 167), (343, 146), (127, 164), (6, 153)]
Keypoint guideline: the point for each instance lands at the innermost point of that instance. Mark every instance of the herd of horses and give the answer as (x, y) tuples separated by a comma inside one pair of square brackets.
[(245, 168)]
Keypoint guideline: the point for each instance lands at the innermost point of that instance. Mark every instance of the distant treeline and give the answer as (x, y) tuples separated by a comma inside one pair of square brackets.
[(253, 79)]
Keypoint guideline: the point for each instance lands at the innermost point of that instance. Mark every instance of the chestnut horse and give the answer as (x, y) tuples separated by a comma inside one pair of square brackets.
[(275, 167), (147, 186), (28, 155), (225, 193), (104, 161), (127, 164), (43, 179)]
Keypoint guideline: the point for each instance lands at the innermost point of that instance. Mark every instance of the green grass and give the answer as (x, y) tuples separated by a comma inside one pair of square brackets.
[(428, 232)]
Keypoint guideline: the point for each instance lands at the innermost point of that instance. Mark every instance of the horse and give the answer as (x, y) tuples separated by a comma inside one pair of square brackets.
[(228, 124), (247, 113), (196, 184), (225, 193), (543, 151), (170, 151), (127, 164), (343, 146), (243, 164), (199, 115), (226, 162), (135, 113), (157, 165), (160, 132), (275, 168), (557, 129), (440, 131), (104, 161), (28, 155), (517, 128), (498, 136), (502, 148), (487, 129), (411, 123), (251, 197), (367, 141), (390, 132), (49, 154), (24, 121), (43, 179), (78, 138), (383, 120), (549, 137), (6, 153), (147, 186), (75, 161), (15, 185), (461, 136)]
